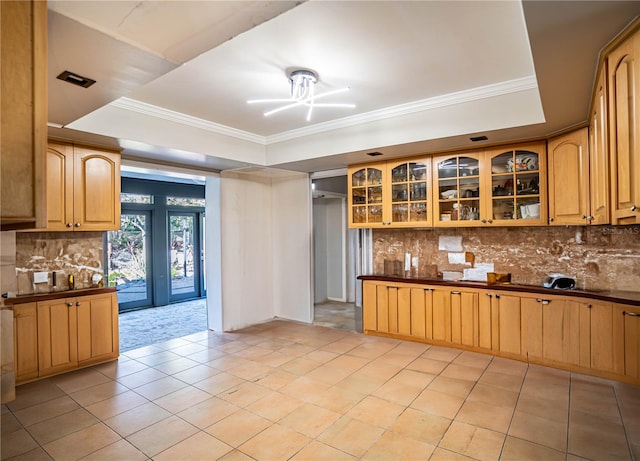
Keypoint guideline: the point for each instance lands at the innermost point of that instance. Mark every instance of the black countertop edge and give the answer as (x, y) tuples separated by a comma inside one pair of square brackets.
[(623, 297), (31, 298)]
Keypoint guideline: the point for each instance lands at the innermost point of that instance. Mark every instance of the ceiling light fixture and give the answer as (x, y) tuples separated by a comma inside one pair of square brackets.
[(303, 83)]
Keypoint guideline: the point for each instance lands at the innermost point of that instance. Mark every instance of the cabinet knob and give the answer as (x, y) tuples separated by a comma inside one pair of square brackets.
[(78, 303), (497, 296), (483, 220), (550, 219), (543, 301), (584, 216), (489, 221), (590, 218), (456, 293), (77, 224), (69, 224), (69, 304), (489, 295), (634, 208), (631, 314)]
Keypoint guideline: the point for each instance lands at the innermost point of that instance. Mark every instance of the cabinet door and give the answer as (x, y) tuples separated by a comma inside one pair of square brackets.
[(516, 186), (605, 356), (441, 311), (382, 308), (369, 306), (485, 323), (404, 311), (531, 328), (464, 317), (96, 190), (25, 338), (98, 337), (599, 154), (366, 195), (509, 324), (624, 91), (418, 312), (561, 331), (457, 190), (409, 193), (569, 179), (57, 336), (59, 186), (632, 342)]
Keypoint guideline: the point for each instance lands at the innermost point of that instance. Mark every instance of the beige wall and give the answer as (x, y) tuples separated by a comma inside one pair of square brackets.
[(599, 257)]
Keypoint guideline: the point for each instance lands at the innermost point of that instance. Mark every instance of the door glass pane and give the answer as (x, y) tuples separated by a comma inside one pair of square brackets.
[(127, 259), (181, 248)]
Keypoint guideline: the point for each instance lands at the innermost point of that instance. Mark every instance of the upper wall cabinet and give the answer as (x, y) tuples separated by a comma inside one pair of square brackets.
[(83, 188), (599, 154), (390, 194), (623, 65), (500, 187), (23, 96)]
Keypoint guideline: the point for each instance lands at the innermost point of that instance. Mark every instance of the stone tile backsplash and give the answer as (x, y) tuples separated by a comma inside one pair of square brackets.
[(598, 257), (77, 253)]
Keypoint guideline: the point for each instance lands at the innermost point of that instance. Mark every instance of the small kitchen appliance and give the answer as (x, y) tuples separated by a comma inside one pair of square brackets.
[(559, 282)]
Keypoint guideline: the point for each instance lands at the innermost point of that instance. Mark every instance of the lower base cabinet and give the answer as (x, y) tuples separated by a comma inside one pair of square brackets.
[(593, 337), (55, 336)]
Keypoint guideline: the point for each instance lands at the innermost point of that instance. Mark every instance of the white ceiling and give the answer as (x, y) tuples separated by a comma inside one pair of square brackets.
[(174, 77)]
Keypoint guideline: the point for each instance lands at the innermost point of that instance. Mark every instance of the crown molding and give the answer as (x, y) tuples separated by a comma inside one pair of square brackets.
[(183, 119), (460, 97)]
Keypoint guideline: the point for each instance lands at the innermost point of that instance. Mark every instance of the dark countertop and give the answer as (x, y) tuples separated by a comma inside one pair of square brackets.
[(56, 295), (615, 296)]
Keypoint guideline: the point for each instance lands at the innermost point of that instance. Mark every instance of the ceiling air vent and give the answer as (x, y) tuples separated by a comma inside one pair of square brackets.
[(374, 154), (478, 138), (76, 79)]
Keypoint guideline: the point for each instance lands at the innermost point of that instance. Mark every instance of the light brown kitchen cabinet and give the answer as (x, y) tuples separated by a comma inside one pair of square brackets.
[(25, 338), (531, 327), (631, 331), (503, 186), (464, 317), (563, 338), (421, 312), (623, 64), (600, 197), (98, 334), (487, 321), (369, 306), (509, 325), (441, 315), (83, 188), (57, 336), (390, 194), (23, 97)]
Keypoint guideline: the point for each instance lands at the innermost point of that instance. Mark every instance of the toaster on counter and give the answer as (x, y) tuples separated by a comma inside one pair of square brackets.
[(559, 282)]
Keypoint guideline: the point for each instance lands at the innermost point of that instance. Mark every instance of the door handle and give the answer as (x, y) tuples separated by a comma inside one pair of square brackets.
[(631, 314)]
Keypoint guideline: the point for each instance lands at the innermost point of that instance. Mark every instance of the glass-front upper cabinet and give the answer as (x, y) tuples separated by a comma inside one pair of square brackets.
[(518, 185), (365, 200), (457, 183), (409, 193)]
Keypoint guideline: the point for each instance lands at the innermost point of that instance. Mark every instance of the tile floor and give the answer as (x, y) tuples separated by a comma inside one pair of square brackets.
[(284, 390)]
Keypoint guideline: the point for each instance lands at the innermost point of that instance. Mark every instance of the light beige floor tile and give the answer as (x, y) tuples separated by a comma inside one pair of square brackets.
[(297, 349), (78, 380), (472, 441), (437, 403), (236, 455), (473, 359), (348, 362), (238, 427), (43, 411), (227, 362), (244, 394), (182, 399), (396, 446), (351, 436), (440, 454), (188, 349), (98, 393), (451, 386), (394, 358), (118, 451), (156, 359), (605, 441), (143, 351), (421, 426), (486, 415), (120, 368), (299, 366), (194, 374), (17, 443), (81, 443), (427, 365), (141, 378), (328, 374), (207, 412), (509, 382), (539, 430), (341, 347), (411, 348), (274, 406), (117, 404), (317, 451), (176, 366), (206, 356), (310, 420), (360, 382), (337, 399), (275, 442), (253, 353), (276, 359), (276, 379), (456, 371), (380, 370), (492, 395), (163, 386), (518, 450), (444, 354), (398, 392), (161, 435), (376, 411), (34, 393), (250, 371), (508, 366), (131, 421), (37, 454), (321, 356), (305, 389), (366, 351), (198, 447), (9, 423), (219, 383), (548, 409), (60, 426)]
